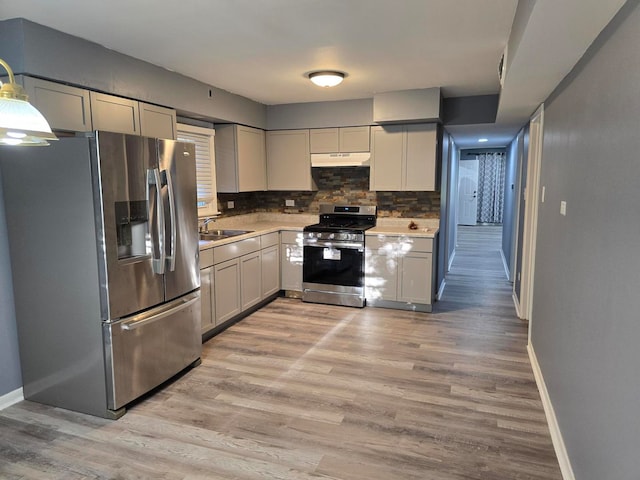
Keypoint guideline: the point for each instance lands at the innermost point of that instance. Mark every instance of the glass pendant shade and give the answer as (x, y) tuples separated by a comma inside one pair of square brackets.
[(20, 122), (326, 79)]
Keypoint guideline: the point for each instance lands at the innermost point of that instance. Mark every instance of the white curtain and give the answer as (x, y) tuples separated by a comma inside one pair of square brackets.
[(491, 172)]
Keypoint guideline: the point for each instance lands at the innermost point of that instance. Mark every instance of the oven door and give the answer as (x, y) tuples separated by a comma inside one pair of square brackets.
[(333, 272)]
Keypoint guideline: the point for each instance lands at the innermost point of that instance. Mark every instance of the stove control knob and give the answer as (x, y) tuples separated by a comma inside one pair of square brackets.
[(331, 236)]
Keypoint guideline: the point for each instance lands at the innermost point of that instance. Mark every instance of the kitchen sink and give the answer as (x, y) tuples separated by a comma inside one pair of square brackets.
[(213, 235)]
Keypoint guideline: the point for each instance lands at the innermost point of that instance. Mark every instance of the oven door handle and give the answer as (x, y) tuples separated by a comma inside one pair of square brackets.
[(332, 244)]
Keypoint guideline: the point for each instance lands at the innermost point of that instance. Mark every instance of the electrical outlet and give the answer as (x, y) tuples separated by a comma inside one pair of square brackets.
[(563, 207), (289, 203), (231, 204)]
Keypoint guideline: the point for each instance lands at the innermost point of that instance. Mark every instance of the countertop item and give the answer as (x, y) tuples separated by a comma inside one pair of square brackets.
[(262, 223)]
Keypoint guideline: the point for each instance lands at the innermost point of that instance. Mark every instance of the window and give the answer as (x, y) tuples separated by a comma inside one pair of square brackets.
[(205, 166)]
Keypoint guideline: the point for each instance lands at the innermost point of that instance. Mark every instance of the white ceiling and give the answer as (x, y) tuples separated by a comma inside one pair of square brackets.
[(262, 49)]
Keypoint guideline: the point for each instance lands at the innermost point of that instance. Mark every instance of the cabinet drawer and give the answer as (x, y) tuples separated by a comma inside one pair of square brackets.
[(291, 237), (420, 244), (382, 242), (235, 249), (269, 239), (206, 258)]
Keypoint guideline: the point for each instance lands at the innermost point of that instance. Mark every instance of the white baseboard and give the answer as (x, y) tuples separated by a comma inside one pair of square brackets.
[(441, 290), (10, 398), (554, 428), (453, 255), (505, 265), (516, 304)]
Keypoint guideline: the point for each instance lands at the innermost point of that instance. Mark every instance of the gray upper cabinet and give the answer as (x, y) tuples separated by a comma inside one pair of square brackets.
[(159, 122), (405, 157), (240, 159), (65, 108), (288, 160), (115, 114), (342, 140)]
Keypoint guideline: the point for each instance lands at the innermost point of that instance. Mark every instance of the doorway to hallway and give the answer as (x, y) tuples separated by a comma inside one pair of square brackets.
[(477, 277)]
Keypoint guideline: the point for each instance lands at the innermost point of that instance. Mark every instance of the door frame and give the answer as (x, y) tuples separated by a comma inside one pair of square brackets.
[(532, 197)]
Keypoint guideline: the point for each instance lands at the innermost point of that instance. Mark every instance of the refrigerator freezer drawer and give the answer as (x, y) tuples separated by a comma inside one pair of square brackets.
[(144, 350)]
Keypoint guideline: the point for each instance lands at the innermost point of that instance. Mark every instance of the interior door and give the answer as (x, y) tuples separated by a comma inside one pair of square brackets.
[(468, 192)]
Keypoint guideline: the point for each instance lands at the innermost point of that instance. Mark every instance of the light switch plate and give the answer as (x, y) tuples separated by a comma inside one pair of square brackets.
[(289, 203), (563, 207), (231, 204), (544, 190)]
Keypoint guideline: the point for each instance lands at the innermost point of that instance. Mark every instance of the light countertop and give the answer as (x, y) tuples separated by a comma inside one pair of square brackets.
[(263, 223)]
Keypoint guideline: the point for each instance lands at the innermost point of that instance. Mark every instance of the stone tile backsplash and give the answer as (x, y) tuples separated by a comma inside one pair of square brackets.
[(346, 185)]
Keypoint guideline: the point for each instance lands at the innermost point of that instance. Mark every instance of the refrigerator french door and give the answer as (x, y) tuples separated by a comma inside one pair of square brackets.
[(104, 254)]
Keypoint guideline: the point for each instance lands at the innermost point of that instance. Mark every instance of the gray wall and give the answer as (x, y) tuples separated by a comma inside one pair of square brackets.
[(10, 378), (345, 113), (36, 50), (586, 321)]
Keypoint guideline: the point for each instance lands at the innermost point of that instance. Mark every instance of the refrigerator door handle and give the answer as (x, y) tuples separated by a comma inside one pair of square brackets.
[(171, 257), (153, 178), (150, 317)]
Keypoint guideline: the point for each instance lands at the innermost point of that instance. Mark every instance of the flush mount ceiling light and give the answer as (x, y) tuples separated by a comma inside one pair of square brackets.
[(482, 140), (326, 78), (20, 122)]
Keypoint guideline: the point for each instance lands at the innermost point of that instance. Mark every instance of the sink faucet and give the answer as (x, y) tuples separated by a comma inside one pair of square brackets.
[(204, 227)]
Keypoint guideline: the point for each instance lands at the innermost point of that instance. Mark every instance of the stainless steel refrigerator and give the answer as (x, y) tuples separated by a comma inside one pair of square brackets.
[(103, 238)]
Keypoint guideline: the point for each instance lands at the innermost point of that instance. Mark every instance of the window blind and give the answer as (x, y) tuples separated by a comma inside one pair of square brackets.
[(204, 169)]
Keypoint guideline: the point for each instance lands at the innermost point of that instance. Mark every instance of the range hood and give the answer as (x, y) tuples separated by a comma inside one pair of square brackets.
[(359, 159)]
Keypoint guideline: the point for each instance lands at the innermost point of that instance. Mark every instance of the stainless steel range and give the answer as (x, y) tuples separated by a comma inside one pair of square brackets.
[(333, 265)]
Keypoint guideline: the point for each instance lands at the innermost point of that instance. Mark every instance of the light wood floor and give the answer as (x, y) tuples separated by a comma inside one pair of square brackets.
[(304, 391)]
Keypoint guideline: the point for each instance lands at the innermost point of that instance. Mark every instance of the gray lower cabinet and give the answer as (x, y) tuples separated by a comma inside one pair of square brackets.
[(207, 282), (244, 273), (291, 260), (399, 272), (227, 290), (250, 280), (207, 309), (270, 263), (65, 108)]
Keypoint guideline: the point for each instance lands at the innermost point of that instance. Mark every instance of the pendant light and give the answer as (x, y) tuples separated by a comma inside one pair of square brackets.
[(326, 78), (20, 122)]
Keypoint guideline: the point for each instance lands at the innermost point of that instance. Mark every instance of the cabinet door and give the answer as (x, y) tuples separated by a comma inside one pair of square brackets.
[(250, 280), (421, 157), (114, 114), (324, 140), (288, 160), (206, 298), (158, 122), (381, 274), (251, 158), (387, 151), (414, 281), (270, 263), (354, 139), (227, 290), (64, 107), (291, 266)]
